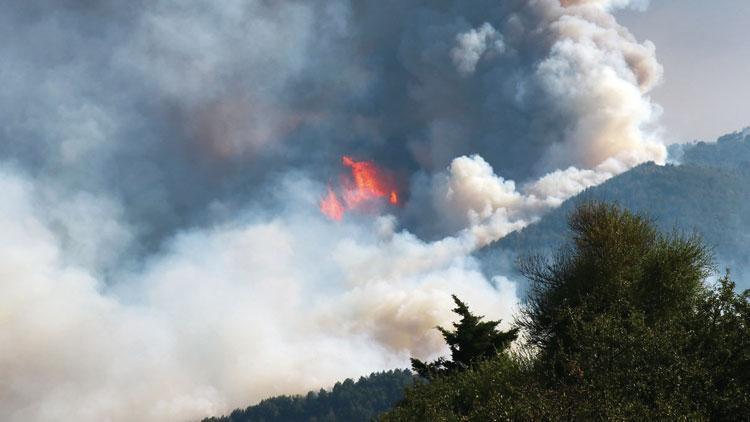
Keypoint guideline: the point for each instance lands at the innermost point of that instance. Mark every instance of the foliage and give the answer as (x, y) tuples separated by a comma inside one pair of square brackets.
[(472, 341), (722, 343), (464, 395), (352, 401), (620, 325)]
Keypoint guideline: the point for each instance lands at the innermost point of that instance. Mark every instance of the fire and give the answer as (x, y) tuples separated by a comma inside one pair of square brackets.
[(331, 206), (363, 188)]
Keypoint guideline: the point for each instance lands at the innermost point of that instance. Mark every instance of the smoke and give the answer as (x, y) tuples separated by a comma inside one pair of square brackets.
[(238, 312), (473, 44), (474, 201), (163, 163)]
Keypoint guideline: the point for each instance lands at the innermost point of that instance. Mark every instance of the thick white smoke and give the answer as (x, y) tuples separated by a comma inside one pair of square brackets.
[(595, 71), (246, 299), (226, 316)]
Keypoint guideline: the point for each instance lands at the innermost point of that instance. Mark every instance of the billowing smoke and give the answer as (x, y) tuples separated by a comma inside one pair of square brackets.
[(254, 307), (163, 164)]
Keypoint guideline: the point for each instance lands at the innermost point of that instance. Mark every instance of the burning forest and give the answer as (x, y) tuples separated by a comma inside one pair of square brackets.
[(209, 203)]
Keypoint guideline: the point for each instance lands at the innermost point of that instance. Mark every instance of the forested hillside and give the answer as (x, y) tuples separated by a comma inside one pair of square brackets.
[(621, 323), (709, 193), (731, 150), (352, 401)]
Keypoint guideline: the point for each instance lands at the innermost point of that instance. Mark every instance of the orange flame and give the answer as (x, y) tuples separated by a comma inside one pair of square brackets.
[(331, 206), (366, 185)]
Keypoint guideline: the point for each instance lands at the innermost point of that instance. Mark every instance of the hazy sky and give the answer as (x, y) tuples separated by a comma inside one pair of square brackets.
[(705, 49)]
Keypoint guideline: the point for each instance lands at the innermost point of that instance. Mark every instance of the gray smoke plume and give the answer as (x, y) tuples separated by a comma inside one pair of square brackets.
[(162, 163)]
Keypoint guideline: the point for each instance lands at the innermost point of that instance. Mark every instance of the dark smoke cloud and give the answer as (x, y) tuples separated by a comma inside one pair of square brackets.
[(172, 106)]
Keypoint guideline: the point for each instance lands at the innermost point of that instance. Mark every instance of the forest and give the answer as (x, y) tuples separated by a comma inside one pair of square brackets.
[(360, 400)]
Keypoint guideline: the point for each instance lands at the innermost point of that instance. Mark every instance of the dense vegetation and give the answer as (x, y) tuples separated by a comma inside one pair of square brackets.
[(709, 193), (472, 340), (620, 325), (362, 400)]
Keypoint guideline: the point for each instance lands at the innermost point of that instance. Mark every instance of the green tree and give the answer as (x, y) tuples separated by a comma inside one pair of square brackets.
[(721, 343), (619, 325), (471, 341), (612, 315)]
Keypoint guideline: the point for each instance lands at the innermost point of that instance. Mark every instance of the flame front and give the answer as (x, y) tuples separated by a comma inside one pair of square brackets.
[(365, 186)]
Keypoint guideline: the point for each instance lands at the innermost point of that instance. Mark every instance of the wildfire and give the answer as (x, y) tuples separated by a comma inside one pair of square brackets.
[(363, 188), (331, 206)]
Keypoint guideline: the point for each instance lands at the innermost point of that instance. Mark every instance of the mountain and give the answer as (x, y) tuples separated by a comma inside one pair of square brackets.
[(352, 401), (708, 193)]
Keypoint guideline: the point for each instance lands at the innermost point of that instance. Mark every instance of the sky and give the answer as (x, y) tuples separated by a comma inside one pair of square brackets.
[(705, 49)]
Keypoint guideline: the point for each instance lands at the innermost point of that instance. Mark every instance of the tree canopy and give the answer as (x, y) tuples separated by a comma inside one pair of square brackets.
[(622, 323), (471, 342), (362, 400)]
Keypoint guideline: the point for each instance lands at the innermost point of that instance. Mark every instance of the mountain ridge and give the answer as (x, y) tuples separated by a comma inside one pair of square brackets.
[(707, 193)]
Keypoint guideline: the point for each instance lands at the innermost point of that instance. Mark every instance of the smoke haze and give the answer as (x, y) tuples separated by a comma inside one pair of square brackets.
[(163, 164)]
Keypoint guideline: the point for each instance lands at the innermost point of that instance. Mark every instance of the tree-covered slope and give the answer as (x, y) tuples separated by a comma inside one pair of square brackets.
[(709, 194), (621, 325), (732, 150), (362, 400)]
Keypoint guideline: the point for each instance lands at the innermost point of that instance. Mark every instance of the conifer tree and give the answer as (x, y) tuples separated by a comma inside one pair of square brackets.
[(471, 341)]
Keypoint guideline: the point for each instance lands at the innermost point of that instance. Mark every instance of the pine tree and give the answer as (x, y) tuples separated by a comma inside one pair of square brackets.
[(472, 341)]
